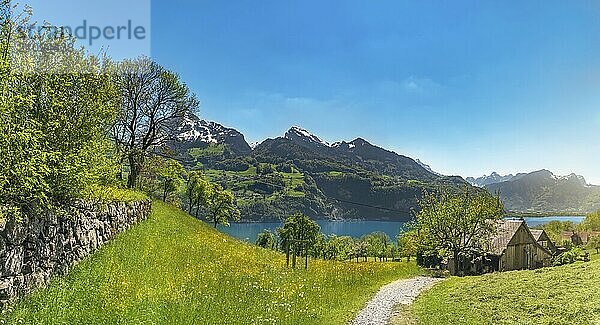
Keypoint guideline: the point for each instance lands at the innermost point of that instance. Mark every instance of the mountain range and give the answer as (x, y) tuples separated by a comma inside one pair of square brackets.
[(542, 192), (300, 172), (485, 180), (350, 179)]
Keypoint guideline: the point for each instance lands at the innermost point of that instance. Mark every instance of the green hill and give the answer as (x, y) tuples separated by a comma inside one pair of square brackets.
[(300, 172), (560, 295), (174, 269)]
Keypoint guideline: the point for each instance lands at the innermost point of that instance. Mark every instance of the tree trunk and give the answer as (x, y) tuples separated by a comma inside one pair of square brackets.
[(190, 201), (287, 255), (134, 172), (165, 192), (455, 262), (306, 261), (293, 259)]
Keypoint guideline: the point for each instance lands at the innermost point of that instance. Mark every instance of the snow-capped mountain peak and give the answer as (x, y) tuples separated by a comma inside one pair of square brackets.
[(298, 133), (488, 180), (191, 129)]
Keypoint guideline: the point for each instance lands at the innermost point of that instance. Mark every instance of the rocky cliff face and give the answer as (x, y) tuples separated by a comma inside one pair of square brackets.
[(36, 248)]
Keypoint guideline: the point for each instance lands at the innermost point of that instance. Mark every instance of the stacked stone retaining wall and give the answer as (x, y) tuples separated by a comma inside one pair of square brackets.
[(34, 249)]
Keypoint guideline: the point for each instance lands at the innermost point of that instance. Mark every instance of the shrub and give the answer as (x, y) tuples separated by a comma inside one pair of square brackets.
[(567, 257), (55, 113)]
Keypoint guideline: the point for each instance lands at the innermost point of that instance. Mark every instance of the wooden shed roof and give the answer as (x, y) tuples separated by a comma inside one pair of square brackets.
[(537, 233), (504, 234), (506, 231)]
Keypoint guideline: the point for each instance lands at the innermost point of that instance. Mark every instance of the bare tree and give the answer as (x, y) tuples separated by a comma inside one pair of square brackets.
[(153, 99)]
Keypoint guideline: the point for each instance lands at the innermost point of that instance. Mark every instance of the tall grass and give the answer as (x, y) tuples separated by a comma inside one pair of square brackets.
[(173, 269), (562, 295)]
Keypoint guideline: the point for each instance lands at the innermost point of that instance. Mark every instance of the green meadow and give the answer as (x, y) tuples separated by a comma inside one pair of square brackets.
[(175, 269), (567, 294)]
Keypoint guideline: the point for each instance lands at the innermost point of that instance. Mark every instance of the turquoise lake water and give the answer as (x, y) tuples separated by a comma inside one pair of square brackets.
[(249, 231)]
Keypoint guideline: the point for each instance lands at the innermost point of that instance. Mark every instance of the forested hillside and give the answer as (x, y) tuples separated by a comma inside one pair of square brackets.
[(300, 172)]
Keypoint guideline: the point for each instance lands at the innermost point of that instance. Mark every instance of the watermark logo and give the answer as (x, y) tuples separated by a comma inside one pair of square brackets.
[(87, 33), (45, 33)]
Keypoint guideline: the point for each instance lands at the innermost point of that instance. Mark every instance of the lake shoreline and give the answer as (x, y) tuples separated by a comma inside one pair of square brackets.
[(356, 227), (543, 215)]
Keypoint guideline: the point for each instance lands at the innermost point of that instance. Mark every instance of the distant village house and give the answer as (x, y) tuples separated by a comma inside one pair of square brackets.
[(578, 238)]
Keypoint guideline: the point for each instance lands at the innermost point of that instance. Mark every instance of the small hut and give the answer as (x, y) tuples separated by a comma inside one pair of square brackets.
[(517, 248), (542, 238)]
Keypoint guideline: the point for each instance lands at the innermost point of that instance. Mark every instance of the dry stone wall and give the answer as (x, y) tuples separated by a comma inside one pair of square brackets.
[(34, 249)]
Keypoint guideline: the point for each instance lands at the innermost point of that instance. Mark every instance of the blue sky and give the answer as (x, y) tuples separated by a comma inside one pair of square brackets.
[(469, 87)]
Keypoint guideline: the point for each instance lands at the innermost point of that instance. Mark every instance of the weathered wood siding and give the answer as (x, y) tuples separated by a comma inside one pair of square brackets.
[(523, 252)]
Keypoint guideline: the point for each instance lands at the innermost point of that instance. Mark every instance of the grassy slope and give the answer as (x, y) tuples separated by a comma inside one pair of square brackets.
[(174, 269), (562, 295)]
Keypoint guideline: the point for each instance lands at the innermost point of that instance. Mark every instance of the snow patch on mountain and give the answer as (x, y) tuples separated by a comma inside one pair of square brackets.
[(253, 145), (298, 132), (190, 130), (193, 129), (493, 178)]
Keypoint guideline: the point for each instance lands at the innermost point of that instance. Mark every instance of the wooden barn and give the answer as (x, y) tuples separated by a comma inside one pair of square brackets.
[(517, 248)]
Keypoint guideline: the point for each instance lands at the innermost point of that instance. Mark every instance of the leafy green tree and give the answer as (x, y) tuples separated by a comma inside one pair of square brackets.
[(171, 175), (55, 107), (360, 249), (377, 244), (161, 177), (459, 224), (555, 228), (153, 100), (594, 243), (408, 244), (393, 251), (267, 239), (592, 222), (298, 235), (319, 247), (339, 247), (220, 205), (197, 187)]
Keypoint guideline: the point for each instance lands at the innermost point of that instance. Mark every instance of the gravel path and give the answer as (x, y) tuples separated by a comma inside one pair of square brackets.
[(379, 310)]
